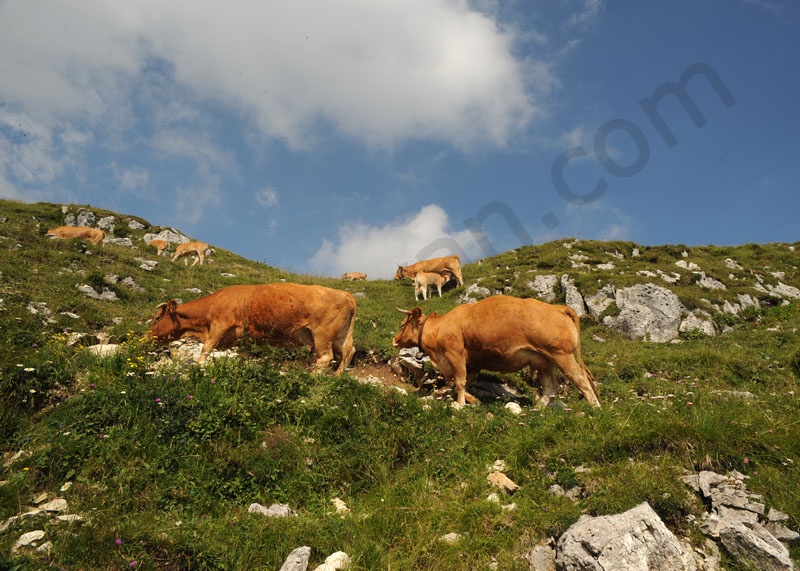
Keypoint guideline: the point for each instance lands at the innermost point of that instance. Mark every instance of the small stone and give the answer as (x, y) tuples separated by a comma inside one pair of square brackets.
[(451, 538), (500, 480), (28, 540)]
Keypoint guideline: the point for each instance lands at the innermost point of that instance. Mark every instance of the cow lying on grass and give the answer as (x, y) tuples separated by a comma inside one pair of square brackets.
[(502, 334), (196, 248), (93, 235), (354, 276), (279, 314)]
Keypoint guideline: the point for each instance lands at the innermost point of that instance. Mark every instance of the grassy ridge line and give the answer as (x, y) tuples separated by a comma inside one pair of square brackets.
[(171, 476)]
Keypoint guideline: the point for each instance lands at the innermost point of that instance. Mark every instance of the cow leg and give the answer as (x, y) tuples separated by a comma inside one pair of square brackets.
[(548, 384), (578, 376)]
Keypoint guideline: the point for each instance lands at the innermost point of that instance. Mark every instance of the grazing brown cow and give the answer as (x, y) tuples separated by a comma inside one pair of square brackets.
[(354, 276), (93, 235), (160, 246), (280, 314), (448, 264), (504, 334), (425, 280), (196, 248)]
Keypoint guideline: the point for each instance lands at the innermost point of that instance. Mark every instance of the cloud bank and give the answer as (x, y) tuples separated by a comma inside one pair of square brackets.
[(377, 250)]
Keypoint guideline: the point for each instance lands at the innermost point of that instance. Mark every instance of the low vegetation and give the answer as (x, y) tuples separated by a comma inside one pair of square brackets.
[(161, 461)]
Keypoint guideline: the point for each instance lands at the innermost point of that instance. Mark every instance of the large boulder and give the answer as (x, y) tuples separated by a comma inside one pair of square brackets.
[(636, 540), (647, 311)]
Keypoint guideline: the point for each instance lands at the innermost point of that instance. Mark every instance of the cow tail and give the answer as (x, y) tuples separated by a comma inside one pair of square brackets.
[(577, 321)]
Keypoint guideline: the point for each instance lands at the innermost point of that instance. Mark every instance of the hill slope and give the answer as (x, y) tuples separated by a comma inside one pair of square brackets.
[(167, 457)]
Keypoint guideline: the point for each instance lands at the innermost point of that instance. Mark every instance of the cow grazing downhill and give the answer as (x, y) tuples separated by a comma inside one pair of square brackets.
[(445, 265), (503, 334), (196, 248), (160, 246), (423, 281), (354, 276), (93, 235), (279, 314)]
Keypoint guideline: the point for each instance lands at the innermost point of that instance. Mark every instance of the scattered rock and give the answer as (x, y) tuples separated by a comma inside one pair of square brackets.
[(135, 225), (687, 265), (126, 242), (297, 560), (542, 557), (172, 236), (103, 350), (338, 560), (709, 282), (341, 507), (474, 293), (57, 505), (27, 540), (275, 510), (503, 482), (698, 320), (451, 538), (89, 291)]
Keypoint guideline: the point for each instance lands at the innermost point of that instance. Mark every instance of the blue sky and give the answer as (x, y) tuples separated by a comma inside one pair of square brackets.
[(326, 137)]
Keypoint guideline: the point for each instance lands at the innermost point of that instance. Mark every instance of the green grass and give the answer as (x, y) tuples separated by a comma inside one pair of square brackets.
[(168, 460)]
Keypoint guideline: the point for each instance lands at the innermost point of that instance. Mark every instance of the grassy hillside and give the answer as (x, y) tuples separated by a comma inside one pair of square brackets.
[(161, 461)]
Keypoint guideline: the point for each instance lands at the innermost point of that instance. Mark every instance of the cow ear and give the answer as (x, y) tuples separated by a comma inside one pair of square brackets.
[(171, 306), (403, 311), (416, 313)]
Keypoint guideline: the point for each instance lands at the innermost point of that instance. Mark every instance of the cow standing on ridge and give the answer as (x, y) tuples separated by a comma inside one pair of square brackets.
[(196, 248), (503, 334), (445, 265), (280, 314)]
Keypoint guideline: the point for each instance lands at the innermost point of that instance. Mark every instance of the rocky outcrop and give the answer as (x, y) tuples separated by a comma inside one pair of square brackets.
[(636, 540), (737, 519), (648, 312), (573, 297)]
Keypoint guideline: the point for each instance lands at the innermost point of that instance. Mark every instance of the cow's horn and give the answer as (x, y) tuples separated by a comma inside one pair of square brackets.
[(160, 305), (403, 311)]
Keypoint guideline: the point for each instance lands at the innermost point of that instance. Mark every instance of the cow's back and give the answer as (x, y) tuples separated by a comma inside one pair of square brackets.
[(279, 308), (510, 321)]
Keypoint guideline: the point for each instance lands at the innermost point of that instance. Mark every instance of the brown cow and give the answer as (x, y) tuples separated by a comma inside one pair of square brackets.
[(160, 246), (281, 314), (504, 334), (354, 276), (93, 235), (196, 248), (425, 280), (449, 264)]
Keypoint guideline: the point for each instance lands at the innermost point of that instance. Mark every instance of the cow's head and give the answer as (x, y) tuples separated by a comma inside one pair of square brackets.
[(165, 325), (408, 336), (400, 273)]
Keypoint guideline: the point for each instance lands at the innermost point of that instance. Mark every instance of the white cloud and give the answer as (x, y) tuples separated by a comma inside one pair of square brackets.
[(267, 197), (381, 72), (377, 250), (132, 178)]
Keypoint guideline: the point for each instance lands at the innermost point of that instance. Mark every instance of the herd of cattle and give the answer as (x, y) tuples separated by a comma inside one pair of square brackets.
[(501, 333)]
